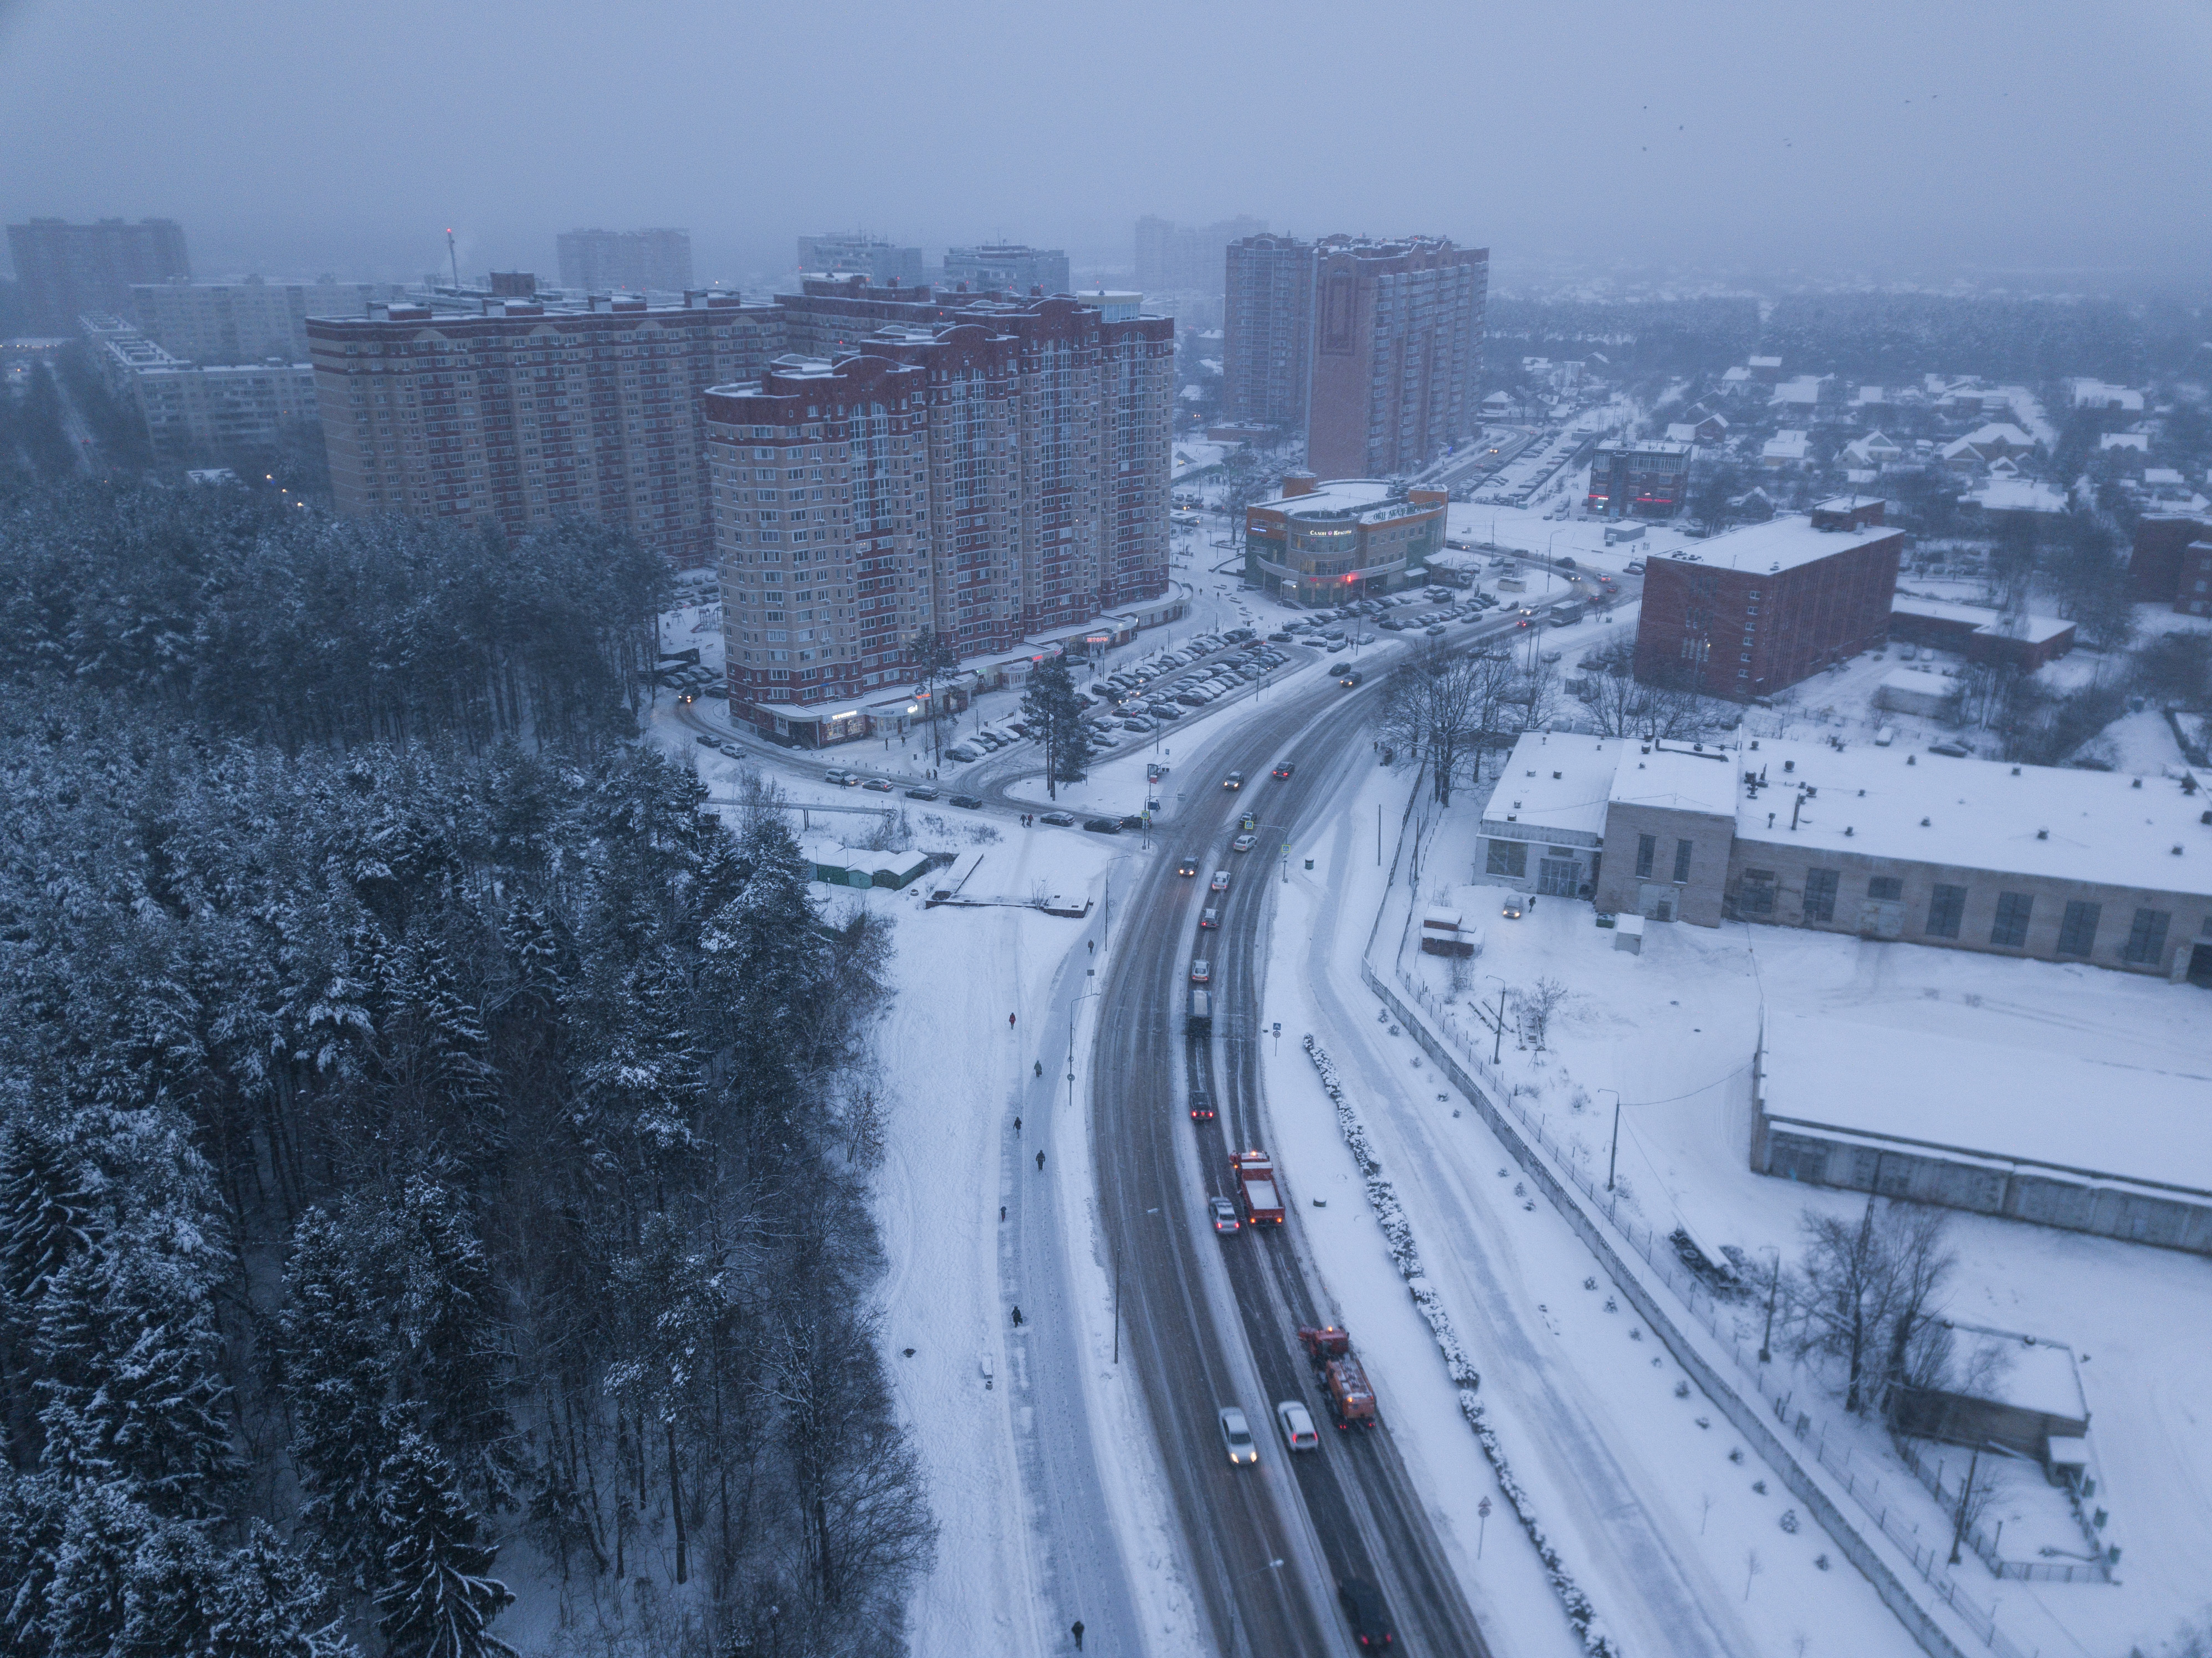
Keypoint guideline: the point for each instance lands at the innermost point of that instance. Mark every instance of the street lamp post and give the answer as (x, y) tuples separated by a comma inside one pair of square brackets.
[(1613, 1156)]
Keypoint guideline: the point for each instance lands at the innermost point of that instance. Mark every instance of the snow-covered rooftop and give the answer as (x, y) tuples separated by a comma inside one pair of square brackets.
[(1557, 782), (1680, 778), (2054, 822), (1369, 500), (2019, 1370), (2036, 629), (1780, 543), (2016, 495)]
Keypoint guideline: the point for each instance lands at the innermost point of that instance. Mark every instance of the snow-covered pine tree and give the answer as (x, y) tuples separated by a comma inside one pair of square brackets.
[(436, 1602)]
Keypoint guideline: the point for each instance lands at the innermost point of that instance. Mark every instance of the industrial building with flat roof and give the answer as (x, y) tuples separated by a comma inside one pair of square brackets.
[(1752, 612)]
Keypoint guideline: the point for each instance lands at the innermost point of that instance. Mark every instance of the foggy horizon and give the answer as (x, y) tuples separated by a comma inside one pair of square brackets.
[(1912, 147)]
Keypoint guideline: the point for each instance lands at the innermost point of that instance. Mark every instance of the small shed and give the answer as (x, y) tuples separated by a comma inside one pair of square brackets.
[(1908, 691), (2000, 1387), (1628, 933)]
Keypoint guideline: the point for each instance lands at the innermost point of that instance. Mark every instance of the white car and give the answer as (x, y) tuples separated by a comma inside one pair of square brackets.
[(1298, 1425), (1237, 1437)]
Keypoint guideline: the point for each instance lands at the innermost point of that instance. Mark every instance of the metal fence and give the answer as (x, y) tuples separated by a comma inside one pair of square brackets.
[(1861, 1481), (1985, 1544)]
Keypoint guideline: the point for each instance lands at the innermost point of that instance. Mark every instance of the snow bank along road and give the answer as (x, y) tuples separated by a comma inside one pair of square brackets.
[(1210, 1323)]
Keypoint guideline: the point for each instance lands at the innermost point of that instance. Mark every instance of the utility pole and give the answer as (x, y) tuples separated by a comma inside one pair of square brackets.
[(1958, 1532), (1613, 1157), (1773, 1286), (450, 253)]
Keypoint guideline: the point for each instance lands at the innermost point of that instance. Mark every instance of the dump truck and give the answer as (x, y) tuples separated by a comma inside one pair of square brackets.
[(1255, 1175), (1342, 1378)]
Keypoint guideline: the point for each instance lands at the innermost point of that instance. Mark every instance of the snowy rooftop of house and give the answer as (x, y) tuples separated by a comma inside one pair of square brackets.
[(2016, 494), (1780, 543), (1677, 777), (1367, 500), (1786, 442), (1557, 782), (1806, 388), (2054, 822), (1765, 362), (2018, 1371), (2036, 629), (1975, 1085), (1738, 373)]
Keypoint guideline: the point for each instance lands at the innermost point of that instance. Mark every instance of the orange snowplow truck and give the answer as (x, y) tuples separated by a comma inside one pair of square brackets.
[(1350, 1401), (1255, 1175)]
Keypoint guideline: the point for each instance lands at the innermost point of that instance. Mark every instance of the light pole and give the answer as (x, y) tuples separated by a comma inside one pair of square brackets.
[(1498, 1050), (1612, 1156), (1773, 1288), (1958, 1532)]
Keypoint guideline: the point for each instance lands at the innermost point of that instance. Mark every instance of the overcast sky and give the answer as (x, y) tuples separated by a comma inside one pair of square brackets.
[(1916, 138)]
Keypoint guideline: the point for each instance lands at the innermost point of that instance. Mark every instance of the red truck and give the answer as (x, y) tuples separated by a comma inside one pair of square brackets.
[(1255, 1175), (1341, 1376)]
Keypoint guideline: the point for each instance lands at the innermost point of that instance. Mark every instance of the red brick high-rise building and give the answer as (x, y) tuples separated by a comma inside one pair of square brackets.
[(976, 479), (1748, 613)]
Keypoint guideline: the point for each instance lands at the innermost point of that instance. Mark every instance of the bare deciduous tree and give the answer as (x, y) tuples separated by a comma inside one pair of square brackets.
[(1867, 1287), (1538, 1004), (1436, 709)]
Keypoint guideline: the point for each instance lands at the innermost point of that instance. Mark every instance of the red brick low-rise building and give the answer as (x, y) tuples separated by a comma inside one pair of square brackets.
[(2026, 642), (1753, 611), (2154, 565)]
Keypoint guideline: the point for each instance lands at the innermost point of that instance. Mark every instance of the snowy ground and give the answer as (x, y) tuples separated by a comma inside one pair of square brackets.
[(1674, 1027)]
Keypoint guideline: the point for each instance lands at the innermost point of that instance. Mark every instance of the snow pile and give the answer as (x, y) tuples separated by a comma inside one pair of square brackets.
[(1398, 1233)]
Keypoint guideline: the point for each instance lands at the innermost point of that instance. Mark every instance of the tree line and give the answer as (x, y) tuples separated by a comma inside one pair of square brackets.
[(432, 1142)]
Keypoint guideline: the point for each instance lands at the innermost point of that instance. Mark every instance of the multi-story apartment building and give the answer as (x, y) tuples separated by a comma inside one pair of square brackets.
[(67, 269), (856, 252), (1632, 479), (1007, 265), (1751, 613), (526, 411), (1397, 333), (204, 415), (1370, 350), (636, 261), (248, 321), (1267, 368), (975, 482), (1179, 259)]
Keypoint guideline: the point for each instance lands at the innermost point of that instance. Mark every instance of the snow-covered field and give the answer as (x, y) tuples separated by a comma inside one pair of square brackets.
[(1672, 1031)]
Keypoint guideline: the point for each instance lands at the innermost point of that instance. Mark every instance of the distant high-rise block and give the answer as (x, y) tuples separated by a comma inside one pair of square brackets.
[(638, 261), (856, 252), (968, 471), (1371, 350), (67, 269), (1178, 258), (249, 321), (1010, 266), (200, 413), (521, 412)]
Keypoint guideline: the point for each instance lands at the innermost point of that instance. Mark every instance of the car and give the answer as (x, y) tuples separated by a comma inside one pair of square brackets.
[(1634, 567), (1278, 637), (833, 776), (1433, 628), (966, 802), (1283, 770), (962, 753), (1220, 881), (1208, 919), (709, 742), (1164, 711), (1298, 1425), (881, 786), (1103, 825), (1370, 1618), (1349, 678), (1338, 645), (1237, 1437), (1234, 780), (1187, 867), (1564, 563), (1244, 843), (1059, 819), (921, 791), (1131, 820), (1391, 624), (1202, 971), (1201, 1110), (1512, 910)]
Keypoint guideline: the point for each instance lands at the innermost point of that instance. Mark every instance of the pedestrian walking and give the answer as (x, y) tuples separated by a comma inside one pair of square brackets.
[(1075, 1630), (1009, 1022), (1039, 1163), (1002, 1212), (1018, 1125), (1017, 1318)]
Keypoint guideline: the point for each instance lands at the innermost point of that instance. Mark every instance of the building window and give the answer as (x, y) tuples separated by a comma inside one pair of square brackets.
[(1681, 862), (2011, 929), (1756, 895), (1885, 889), (2078, 932), (1946, 905), (1820, 895), (1647, 849), (2147, 938), (1508, 857)]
